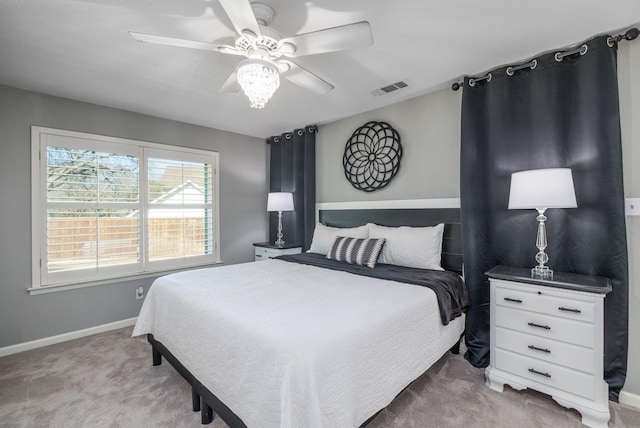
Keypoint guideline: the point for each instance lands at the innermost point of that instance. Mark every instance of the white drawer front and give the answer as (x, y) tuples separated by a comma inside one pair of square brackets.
[(261, 254), (540, 301), (264, 253), (572, 356), (546, 373), (564, 330)]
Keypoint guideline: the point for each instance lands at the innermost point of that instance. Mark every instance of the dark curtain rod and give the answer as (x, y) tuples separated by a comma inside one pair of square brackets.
[(630, 34), (288, 135)]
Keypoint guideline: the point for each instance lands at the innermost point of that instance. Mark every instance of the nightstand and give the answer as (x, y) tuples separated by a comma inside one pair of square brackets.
[(548, 335), (267, 250)]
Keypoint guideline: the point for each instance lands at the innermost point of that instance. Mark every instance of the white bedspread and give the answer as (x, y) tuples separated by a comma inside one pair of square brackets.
[(290, 345)]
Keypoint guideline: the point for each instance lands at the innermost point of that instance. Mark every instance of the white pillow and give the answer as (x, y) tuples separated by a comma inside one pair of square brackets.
[(418, 247), (323, 236)]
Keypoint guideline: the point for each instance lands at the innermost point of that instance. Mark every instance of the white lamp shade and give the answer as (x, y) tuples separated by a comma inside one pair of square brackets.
[(280, 201), (542, 188)]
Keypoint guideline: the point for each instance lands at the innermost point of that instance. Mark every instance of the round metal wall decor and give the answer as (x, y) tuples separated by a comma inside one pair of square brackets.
[(372, 156)]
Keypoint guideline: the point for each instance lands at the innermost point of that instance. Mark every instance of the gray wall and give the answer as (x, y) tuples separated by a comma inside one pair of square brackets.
[(629, 89), (243, 217), (430, 130)]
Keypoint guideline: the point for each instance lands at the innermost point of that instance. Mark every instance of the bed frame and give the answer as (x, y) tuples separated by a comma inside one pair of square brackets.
[(416, 213)]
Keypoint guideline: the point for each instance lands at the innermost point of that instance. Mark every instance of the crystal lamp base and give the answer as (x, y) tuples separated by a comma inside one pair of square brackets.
[(541, 272)]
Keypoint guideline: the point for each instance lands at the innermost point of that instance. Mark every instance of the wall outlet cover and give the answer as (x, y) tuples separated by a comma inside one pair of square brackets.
[(632, 206)]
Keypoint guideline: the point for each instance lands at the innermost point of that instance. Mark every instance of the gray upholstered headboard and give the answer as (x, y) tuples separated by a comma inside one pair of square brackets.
[(416, 213)]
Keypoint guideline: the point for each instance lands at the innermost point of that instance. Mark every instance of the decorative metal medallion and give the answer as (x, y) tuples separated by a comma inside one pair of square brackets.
[(372, 156)]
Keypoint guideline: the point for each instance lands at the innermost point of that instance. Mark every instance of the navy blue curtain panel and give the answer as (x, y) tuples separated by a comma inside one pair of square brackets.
[(562, 112), (293, 169)]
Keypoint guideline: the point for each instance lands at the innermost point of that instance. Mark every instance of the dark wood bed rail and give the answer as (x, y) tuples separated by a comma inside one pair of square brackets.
[(202, 399), (206, 402)]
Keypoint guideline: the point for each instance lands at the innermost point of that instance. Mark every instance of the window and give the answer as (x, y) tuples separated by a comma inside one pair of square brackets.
[(105, 207)]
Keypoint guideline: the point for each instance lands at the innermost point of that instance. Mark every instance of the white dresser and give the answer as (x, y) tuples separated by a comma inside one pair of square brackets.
[(266, 250), (548, 335)]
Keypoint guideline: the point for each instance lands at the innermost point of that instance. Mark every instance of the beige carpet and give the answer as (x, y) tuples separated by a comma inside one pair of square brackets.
[(107, 380)]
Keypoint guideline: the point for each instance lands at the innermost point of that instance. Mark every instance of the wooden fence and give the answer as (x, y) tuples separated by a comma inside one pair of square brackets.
[(71, 239)]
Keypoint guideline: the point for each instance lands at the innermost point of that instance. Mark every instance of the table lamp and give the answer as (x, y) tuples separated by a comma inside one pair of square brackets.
[(280, 201), (540, 189)]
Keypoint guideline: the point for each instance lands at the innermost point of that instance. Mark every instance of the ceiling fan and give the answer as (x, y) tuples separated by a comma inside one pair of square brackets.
[(268, 54)]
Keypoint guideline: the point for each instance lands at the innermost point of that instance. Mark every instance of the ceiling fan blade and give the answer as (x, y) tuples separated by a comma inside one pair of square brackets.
[(231, 84), (182, 43), (241, 16), (306, 79), (333, 39)]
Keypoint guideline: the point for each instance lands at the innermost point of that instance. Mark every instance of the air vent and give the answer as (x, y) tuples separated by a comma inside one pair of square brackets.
[(390, 88)]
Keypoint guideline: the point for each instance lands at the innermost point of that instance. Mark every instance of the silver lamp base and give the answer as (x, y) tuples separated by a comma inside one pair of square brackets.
[(541, 271), (279, 242)]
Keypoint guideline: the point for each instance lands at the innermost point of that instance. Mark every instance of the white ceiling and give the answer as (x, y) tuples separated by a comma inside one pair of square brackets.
[(81, 49)]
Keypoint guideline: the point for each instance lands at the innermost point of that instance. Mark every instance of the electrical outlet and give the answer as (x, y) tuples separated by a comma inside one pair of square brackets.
[(140, 292), (632, 206)]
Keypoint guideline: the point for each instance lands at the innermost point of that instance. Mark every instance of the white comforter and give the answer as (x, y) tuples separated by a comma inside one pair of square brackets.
[(290, 345)]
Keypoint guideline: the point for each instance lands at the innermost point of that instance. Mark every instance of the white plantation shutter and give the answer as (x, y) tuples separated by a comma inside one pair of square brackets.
[(92, 206), (180, 208), (106, 208)]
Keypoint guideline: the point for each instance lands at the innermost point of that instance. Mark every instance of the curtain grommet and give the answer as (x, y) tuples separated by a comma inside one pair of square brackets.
[(472, 82)]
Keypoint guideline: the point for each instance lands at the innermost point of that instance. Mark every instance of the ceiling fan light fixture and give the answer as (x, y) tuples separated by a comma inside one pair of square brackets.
[(259, 80)]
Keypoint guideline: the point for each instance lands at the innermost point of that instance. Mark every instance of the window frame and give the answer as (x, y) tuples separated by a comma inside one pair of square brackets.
[(144, 150)]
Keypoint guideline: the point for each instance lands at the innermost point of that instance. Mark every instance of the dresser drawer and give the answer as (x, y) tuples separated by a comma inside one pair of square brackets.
[(537, 300), (572, 356), (561, 329), (265, 253), (546, 373)]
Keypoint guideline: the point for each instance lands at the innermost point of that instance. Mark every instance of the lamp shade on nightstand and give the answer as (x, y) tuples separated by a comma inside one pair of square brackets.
[(280, 201), (542, 188)]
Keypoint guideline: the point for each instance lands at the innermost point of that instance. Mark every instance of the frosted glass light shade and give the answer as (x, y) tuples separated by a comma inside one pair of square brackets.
[(258, 79), (280, 201), (542, 188)]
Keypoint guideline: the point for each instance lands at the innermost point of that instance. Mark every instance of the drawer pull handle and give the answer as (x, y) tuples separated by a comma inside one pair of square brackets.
[(535, 348), (509, 299), (546, 327), (539, 373), (575, 311)]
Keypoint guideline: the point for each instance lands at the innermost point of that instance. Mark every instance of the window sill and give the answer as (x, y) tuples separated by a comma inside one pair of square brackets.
[(64, 287)]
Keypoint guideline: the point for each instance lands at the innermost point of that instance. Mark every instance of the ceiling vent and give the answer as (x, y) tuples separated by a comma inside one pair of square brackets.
[(390, 88)]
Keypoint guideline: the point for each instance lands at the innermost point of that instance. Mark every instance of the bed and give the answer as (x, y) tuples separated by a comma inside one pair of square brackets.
[(304, 340)]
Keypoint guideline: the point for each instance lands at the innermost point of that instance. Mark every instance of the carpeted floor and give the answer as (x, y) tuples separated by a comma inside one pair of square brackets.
[(107, 380)]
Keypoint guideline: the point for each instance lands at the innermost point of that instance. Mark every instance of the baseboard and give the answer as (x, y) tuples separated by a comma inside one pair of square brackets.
[(629, 399), (26, 346)]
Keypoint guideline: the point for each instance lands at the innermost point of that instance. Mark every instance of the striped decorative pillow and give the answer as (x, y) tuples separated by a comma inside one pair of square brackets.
[(356, 250)]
